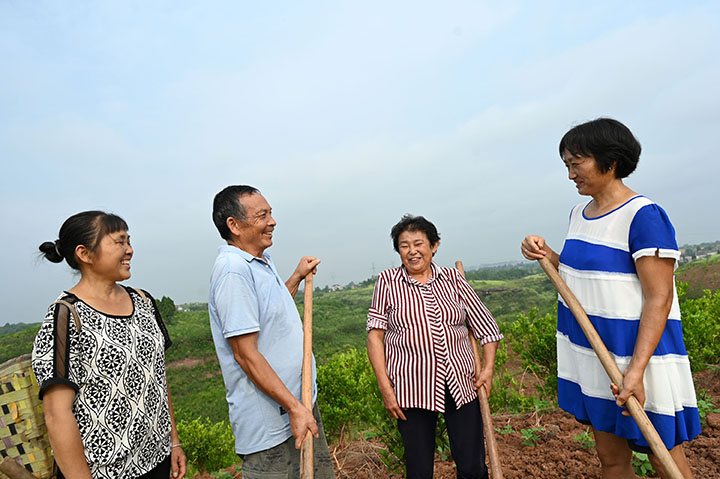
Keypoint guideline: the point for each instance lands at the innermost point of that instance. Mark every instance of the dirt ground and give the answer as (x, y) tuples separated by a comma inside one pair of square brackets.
[(557, 453)]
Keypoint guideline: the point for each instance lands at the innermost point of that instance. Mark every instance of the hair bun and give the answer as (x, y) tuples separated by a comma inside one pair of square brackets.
[(51, 251)]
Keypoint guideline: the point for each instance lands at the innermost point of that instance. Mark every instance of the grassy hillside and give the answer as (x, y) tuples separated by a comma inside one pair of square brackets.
[(506, 298), (338, 320), (338, 325), (17, 344), (10, 328), (193, 371), (700, 275)]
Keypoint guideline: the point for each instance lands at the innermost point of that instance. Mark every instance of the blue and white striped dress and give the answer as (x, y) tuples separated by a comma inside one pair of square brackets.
[(598, 264)]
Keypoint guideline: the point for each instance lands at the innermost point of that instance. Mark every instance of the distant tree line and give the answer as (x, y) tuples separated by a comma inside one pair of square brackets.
[(504, 272), (194, 306), (692, 252), (10, 328), (485, 273)]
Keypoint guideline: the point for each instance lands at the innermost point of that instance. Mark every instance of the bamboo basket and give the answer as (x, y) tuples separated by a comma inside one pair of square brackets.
[(23, 434)]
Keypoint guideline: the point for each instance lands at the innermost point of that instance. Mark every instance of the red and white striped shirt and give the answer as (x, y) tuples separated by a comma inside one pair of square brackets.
[(426, 340)]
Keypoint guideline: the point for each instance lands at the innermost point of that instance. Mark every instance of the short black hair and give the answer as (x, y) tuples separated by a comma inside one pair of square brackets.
[(610, 142), (227, 205), (88, 229), (414, 223)]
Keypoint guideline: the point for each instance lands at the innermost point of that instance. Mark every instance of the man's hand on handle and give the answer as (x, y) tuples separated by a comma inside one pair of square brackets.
[(302, 421)]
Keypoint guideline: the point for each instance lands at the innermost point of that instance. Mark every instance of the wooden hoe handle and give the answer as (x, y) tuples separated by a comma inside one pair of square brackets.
[(632, 404), (495, 467), (306, 458)]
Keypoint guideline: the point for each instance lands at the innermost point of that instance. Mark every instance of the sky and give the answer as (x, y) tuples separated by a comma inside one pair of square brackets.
[(346, 115)]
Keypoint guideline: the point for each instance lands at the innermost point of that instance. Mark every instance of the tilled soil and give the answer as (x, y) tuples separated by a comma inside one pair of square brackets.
[(558, 450)]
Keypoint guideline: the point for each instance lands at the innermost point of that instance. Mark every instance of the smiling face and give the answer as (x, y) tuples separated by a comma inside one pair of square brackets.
[(586, 175), (112, 257), (253, 235), (416, 253)]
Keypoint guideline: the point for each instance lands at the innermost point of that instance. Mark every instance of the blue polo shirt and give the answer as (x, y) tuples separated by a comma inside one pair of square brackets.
[(246, 296)]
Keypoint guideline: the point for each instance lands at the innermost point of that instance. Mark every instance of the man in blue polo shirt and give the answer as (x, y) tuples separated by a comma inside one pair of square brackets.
[(258, 337)]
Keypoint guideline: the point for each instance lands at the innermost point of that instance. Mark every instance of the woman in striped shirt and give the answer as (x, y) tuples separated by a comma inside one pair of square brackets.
[(420, 350), (618, 258)]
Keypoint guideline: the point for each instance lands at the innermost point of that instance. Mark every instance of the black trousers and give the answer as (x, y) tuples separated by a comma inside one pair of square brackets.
[(465, 431), (161, 471)]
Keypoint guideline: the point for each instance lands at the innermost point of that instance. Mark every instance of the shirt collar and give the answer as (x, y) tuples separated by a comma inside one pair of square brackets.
[(437, 272), (244, 254)]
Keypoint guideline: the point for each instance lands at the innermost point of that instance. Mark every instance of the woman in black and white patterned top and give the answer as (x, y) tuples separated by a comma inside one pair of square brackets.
[(102, 374)]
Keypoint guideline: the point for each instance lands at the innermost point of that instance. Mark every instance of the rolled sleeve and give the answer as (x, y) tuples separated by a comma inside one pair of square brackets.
[(377, 315), (374, 322), (652, 232), (491, 339)]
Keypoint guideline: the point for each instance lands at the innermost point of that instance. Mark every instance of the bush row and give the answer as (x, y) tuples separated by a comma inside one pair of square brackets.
[(351, 403)]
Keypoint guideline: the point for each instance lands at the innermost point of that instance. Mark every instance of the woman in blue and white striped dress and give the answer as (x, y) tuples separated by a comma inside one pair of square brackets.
[(619, 259)]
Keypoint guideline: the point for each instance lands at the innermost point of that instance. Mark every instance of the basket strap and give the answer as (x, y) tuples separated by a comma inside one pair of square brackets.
[(143, 296), (76, 317), (74, 313)]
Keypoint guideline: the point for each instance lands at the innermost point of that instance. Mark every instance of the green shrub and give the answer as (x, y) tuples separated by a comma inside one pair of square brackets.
[(346, 392), (705, 405), (393, 456), (168, 310), (701, 327), (350, 401), (208, 447), (531, 436), (508, 395), (641, 464), (532, 337), (585, 439)]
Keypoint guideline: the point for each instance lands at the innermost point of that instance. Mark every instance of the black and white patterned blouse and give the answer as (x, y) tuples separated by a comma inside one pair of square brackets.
[(116, 365)]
